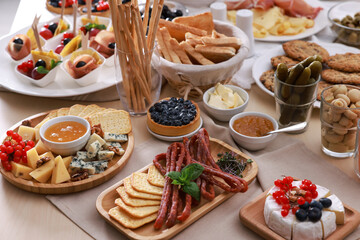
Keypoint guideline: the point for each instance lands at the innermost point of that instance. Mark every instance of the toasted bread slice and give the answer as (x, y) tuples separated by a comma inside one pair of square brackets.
[(216, 34), (163, 49), (179, 51), (222, 42), (166, 38), (178, 31), (216, 54), (195, 56), (193, 39), (202, 21)]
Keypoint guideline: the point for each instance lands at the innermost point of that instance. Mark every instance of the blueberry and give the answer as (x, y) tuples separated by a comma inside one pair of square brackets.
[(177, 123), (169, 19), (181, 100), (326, 202), (54, 4), (152, 109), (187, 102), (314, 214), (164, 107), (81, 2), (305, 206), (186, 121), (173, 99), (301, 215), (316, 204), (167, 122), (18, 41), (40, 62), (178, 13), (52, 27), (94, 8), (80, 64), (157, 107), (66, 41), (111, 45), (165, 8)]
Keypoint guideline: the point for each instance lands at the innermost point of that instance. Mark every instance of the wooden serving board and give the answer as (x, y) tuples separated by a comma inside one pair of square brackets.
[(114, 166), (252, 216), (106, 199)]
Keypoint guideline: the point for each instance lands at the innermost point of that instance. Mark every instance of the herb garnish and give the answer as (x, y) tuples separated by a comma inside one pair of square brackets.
[(229, 163), (94, 25), (185, 179)]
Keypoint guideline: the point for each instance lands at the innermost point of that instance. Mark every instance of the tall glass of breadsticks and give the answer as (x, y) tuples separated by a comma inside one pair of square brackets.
[(138, 81)]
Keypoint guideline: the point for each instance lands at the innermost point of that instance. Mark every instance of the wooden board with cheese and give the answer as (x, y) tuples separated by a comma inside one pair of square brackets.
[(53, 175)]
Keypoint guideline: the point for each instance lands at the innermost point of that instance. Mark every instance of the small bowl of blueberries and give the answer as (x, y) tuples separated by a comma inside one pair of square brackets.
[(170, 10)]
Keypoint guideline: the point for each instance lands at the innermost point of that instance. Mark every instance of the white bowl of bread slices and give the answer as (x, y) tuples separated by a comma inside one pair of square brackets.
[(197, 52)]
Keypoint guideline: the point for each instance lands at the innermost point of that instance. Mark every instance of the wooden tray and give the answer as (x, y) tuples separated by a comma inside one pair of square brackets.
[(106, 199), (115, 166), (252, 216)]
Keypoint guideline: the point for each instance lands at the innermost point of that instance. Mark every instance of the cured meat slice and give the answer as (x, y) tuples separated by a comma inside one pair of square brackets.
[(248, 4), (298, 8)]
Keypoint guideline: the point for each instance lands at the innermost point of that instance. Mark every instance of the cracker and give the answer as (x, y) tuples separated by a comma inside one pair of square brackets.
[(289, 62), (338, 77), (128, 221), (137, 212), (88, 109), (195, 56), (178, 31), (202, 21), (154, 177), (63, 112), (348, 62), (52, 114), (139, 183), (76, 109), (135, 194), (135, 202), (267, 78), (166, 38), (117, 122), (300, 50), (216, 54), (179, 51), (222, 42)]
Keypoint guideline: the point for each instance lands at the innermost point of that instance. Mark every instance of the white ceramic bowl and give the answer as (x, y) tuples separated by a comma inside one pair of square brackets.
[(252, 143), (89, 78), (225, 114), (65, 148)]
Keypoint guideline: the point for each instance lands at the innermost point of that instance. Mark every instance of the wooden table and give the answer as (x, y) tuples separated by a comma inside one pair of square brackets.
[(28, 216)]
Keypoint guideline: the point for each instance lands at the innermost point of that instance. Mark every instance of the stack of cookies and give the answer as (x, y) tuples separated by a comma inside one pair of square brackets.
[(295, 51), (139, 198), (344, 69)]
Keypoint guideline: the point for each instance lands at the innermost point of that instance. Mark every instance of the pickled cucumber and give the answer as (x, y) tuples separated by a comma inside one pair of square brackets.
[(282, 72), (294, 73), (316, 68), (311, 59), (304, 77)]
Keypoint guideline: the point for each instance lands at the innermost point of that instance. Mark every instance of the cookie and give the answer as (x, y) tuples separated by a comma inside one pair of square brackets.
[(320, 87), (283, 59), (334, 76), (267, 78), (348, 62), (300, 50)]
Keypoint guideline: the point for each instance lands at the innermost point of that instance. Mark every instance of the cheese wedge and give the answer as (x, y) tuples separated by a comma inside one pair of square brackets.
[(32, 157), (67, 161), (27, 133), (40, 147), (43, 173), (21, 171), (338, 208), (48, 154), (60, 173)]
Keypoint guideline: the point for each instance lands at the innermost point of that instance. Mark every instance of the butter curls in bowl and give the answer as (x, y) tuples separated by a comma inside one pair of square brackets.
[(224, 101)]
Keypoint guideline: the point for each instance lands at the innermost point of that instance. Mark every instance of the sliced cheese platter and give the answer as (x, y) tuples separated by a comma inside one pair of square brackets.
[(106, 200), (29, 174)]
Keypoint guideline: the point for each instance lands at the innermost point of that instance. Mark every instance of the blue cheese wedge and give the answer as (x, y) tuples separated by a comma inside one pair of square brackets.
[(94, 148), (92, 139), (105, 155), (82, 155), (99, 166), (112, 137), (80, 165), (112, 144)]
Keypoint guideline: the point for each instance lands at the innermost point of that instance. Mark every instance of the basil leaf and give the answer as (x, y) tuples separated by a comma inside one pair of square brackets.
[(176, 182), (94, 25), (192, 171), (174, 175), (42, 70), (249, 161), (192, 189)]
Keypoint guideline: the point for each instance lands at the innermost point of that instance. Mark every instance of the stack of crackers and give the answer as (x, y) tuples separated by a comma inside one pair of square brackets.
[(111, 120), (139, 198), (193, 40), (295, 51)]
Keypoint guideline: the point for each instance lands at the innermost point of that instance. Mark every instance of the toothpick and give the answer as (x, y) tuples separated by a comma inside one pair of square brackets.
[(36, 33), (63, 3), (88, 6), (84, 40), (75, 8)]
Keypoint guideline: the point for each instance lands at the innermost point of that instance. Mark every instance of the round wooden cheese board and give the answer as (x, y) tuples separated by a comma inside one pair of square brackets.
[(114, 166)]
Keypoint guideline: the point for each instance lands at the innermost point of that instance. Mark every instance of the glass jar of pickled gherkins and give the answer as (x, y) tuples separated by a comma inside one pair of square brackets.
[(294, 101), (339, 115), (356, 155)]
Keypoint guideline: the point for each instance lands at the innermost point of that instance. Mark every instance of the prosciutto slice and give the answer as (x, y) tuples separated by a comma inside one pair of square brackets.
[(248, 4), (298, 8)]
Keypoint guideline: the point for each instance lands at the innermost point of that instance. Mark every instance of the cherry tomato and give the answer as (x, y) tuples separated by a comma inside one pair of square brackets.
[(59, 48), (68, 35), (46, 33)]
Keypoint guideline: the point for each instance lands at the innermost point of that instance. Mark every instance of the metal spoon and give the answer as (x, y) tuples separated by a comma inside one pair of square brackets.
[(293, 128)]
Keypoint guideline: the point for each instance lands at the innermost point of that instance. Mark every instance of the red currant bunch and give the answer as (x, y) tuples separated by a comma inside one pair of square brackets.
[(26, 67), (310, 189), (14, 149), (102, 6)]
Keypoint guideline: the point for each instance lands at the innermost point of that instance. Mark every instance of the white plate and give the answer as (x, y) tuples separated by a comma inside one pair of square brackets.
[(177, 138), (61, 87), (321, 22), (263, 63)]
